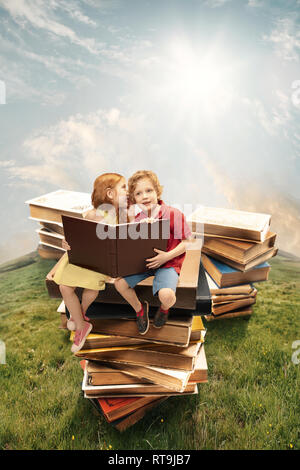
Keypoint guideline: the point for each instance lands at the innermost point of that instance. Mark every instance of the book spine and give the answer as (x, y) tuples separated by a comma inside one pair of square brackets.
[(112, 260)]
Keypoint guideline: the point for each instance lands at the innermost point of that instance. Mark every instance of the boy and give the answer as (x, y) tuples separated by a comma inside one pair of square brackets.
[(144, 189)]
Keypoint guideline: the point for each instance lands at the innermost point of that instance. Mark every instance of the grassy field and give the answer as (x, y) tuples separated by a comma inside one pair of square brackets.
[(250, 402)]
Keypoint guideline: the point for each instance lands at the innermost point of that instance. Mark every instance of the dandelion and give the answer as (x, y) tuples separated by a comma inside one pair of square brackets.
[(291, 446), (110, 447), (161, 420), (270, 425), (73, 437)]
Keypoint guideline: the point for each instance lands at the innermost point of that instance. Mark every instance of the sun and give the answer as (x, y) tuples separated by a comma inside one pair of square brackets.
[(195, 79)]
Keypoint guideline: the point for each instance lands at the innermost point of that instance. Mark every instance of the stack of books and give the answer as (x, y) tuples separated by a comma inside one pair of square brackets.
[(126, 374), (236, 248), (47, 210)]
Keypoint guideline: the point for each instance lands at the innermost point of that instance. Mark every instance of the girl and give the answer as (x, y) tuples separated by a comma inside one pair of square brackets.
[(111, 189)]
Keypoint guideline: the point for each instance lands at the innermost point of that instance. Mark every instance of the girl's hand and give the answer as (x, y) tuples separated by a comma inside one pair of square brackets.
[(158, 260), (65, 245)]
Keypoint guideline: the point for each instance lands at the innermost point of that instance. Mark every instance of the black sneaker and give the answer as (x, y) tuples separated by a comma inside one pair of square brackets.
[(143, 321), (160, 318)]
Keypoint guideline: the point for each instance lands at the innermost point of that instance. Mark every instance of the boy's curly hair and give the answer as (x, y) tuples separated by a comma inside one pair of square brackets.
[(138, 175)]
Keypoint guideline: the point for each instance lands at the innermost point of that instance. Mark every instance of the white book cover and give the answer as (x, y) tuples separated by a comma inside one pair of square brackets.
[(64, 200), (230, 218)]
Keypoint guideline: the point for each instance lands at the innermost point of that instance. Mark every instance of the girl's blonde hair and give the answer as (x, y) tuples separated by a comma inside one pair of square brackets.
[(101, 185), (134, 179)]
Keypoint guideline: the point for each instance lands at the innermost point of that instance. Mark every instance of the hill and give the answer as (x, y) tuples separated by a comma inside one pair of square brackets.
[(250, 401)]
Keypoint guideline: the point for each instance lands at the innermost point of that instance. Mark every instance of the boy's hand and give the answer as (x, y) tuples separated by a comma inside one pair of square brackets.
[(158, 260), (65, 245)]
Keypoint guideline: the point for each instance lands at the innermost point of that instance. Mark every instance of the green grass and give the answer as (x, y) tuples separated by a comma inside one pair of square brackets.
[(250, 402)]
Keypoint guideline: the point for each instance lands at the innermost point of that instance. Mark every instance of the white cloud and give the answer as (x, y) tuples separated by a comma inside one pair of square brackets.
[(41, 15), (82, 147), (274, 118), (251, 197), (215, 3), (18, 86), (255, 3), (7, 163), (286, 39)]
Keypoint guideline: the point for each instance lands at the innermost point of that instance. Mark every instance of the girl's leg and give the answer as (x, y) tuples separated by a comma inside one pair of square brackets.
[(88, 296), (73, 305)]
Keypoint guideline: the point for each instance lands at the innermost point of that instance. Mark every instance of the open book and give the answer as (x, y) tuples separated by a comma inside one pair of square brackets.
[(115, 250)]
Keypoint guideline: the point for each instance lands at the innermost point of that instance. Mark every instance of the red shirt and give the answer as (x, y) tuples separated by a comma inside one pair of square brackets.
[(179, 230)]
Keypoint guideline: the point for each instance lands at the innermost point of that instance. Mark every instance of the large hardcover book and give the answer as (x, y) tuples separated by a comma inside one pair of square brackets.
[(130, 419), (132, 389), (49, 252), (54, 227), (172, 379), (51, 238), (241, 289), (242, 312), (239, 251), (225, 276), (100, 374), (115, 250), (51, 206), (224, 307), (147, 354), (242, 266), (116, 408), (231, 223), (192, 291), (178, 332)]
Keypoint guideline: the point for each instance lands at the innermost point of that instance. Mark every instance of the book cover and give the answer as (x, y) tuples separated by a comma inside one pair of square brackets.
[(230, 222), (225, 276), (51, 206), (122, 249)]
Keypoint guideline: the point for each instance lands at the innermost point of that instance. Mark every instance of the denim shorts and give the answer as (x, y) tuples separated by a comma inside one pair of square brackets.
[(163, 278)]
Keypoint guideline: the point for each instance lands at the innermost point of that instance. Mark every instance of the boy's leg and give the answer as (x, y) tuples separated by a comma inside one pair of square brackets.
[(165, 283), (125, 286), (167, 298)]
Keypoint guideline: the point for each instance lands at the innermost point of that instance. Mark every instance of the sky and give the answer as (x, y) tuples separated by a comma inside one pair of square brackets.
[(206, 93)]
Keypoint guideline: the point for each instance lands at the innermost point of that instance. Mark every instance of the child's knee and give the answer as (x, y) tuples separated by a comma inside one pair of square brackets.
[(167, 296), (121, 284), (66, 290)]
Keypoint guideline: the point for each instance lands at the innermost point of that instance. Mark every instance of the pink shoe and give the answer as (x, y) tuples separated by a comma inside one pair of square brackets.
[(71, 324), (80, 337)]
